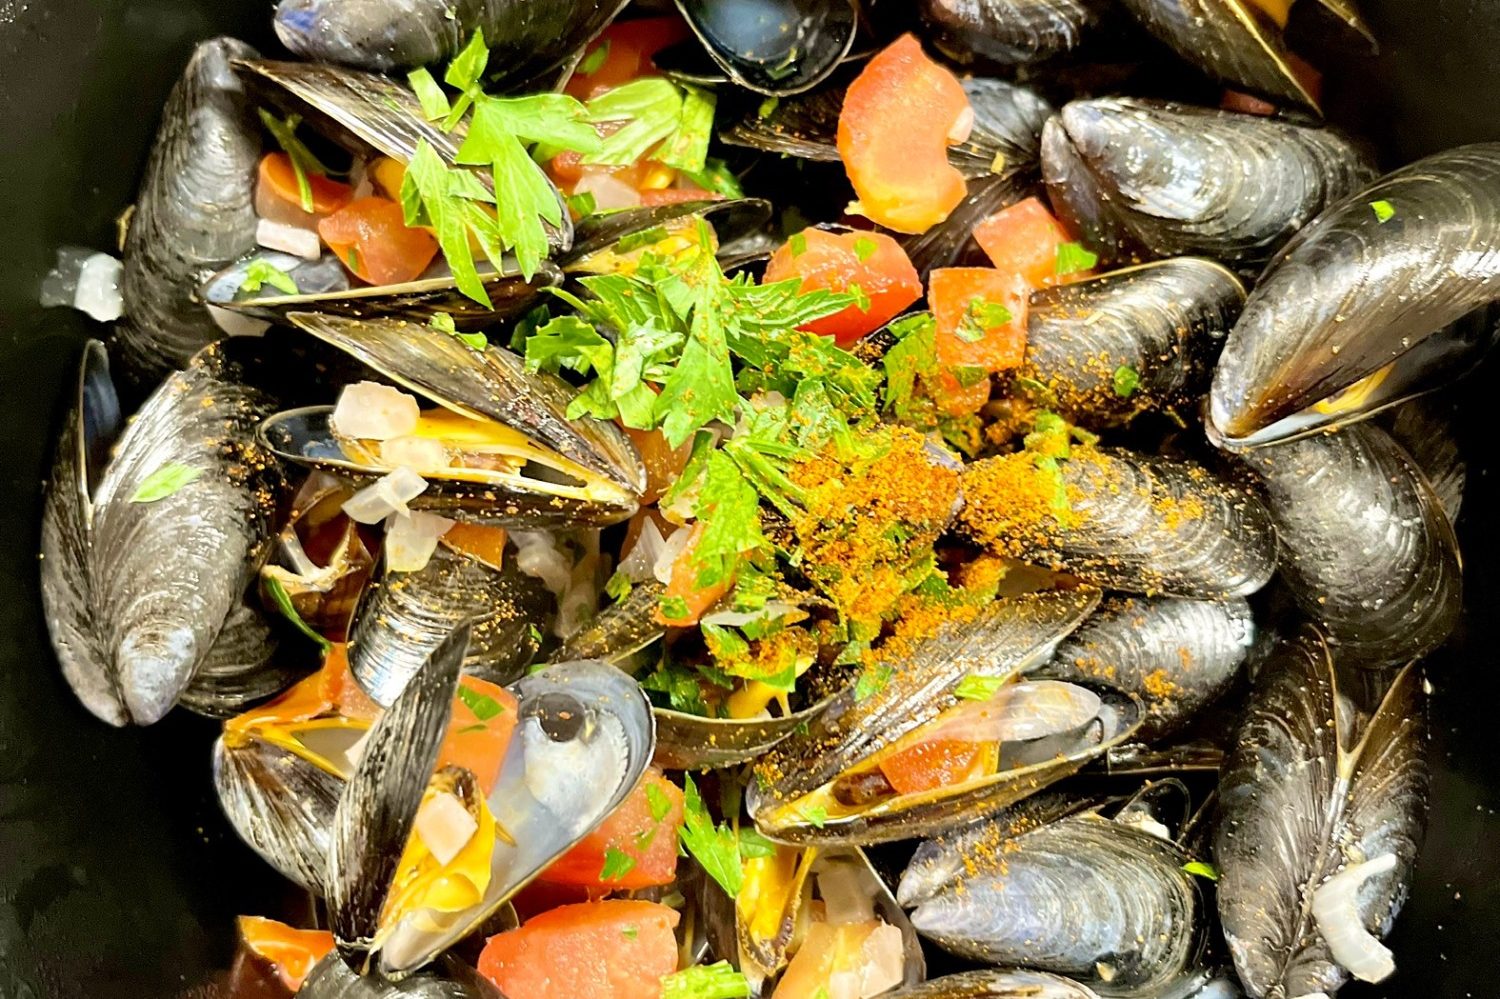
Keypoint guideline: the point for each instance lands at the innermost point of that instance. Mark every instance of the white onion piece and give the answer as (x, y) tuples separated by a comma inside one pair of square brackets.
[(85, 280), (387, 495), (608, 190), (445, 825), (772, 610), (639, 564), (372, 411), (235, 323), (537, 555), (410, 539), (882, 961), (1146, 824), (846, 896), (676, 542), (1335, 907), (1020, 711), (578, 602), (297, 241), (962, 126), (421, 453)]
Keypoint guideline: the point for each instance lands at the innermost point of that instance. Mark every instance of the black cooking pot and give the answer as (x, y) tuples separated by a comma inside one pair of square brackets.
[(118, 876)]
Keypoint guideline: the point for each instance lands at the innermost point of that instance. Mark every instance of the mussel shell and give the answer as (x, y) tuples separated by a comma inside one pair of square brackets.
[(1307, 777), (194, 212), (528, 41), (243, 666), (731, 220), (1176, 655), (1230, 40), (1163, 321), (1424, 429), (997, 983), (402, 616), (1080, 895), (331, 978), (135, 593), (1367, 550), (1143, 525), (1011, 32), (1351, 293), (618, 631), (1140, 179), (280, 804), (1009, 636), (774, 46)]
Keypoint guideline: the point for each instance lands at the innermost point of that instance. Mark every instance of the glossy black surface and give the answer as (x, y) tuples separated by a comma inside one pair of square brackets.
[(118, 878)]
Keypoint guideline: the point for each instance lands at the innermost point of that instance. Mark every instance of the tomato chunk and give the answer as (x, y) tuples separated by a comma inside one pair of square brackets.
[(628, 47), (616, 949), (683, 585), (832, 261), (1024, 239), (639, 836), (664, 463), (292, 951), (479, 730), (276, 190), (981, 317), (929, 765), (899, 117), (372, 239)]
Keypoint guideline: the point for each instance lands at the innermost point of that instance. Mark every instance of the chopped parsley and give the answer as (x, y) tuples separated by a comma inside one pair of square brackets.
[(817, 815), (658, 802), (798, 243), (262, 272), (617, 864), (618, 587), (864, 248), (715, 847), (1384, 211), (767, 106), (595, 60), (872, 681), (980, 317), (1199, 869), (582, 204), (443, 322), (1074, 257), (283, 602), (706, 981), (974, 687), (716, 177), (303, 160), (630, 932), (484, 706), (1125, 381), (165, 481)]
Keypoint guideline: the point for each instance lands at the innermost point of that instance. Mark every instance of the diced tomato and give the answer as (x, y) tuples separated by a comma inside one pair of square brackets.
[(899, 117), (663, 462), (277, 182), (980, 315), (479, 730), (928, 765), (634, 830), (1235, 100), (956, 398), (631, 44), (484, 543), (615, 949), (677, 195), (833, 261), (1308, 75), (1023, 239), (683, 584), (292, 951), (371, 237)]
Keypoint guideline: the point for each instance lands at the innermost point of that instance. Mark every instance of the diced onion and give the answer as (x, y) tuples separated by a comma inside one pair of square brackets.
[(882, 961), (444, 825), (387, 495), (421, 453), (608, 190), (1335, 907), (537, 555), (846, 896), (669, 552), (410, 539), (639, 564), (87, 281), (962, 126), (580, 600), (291, 239), (372, 411)]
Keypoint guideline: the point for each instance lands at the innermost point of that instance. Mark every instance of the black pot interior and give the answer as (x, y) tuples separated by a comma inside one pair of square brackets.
[(118, 876)]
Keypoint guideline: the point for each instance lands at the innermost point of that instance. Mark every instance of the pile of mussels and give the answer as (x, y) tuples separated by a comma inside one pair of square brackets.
[(1257, 707)]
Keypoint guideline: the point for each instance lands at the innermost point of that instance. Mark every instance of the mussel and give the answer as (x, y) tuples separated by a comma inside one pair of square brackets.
[(321, 563), (997, 983), (1053, 887), (1142, 525), (514, 459), (1011, 32), (244, 665), (1367, 550), (1141, 338), (1176, 655), (1424, 428), (607, 242), (331, 978), (1362, 308), (774, 46), (194, 213), (153, 530), (527, 40), (1322, 814), (1140, 179), (833, 784)]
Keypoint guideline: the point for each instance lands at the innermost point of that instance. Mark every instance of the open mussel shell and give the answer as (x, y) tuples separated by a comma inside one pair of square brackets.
[(597, 238), (796, 796), (1137, 524), (1140, 179), (280, 803), (194, 212), (527, 41), (323, 595), (368, 114), (997, 983), (1162, 322), (1328, 789), (137, 591), (331, 978), (1176, 655), (775, 46), (1380, 275), (243, 666), (1011, 32), (402, 616), (1367, 550), (325, 288)]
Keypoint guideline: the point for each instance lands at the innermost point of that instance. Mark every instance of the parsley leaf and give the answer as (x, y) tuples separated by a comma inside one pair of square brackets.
[(753, 845), (262, 272), (864, 248), (1384, 211), (617, 864), (165, 481), (817, 815), (303, 160), (484, 706), (1200, 869), (283, 602), (657, 113), (430, 95), (618, 587), (715, 176), (912, 357), (978, 688), (706, 981), (1125, 381), (716, 848), (1074, 257), (595, 60)]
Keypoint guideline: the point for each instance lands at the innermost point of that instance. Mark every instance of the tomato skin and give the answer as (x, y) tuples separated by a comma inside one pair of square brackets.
[(276, 191), (386, 251), (615, 949), (1023, 239), (683, 583), (929, 765), (624, 829), (898, 119), (830, 261), (631, 46)]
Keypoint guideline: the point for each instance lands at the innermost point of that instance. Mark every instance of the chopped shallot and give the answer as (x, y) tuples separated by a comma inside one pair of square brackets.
[(882, 961), (421, 453), (236, 324), (846, 896), (388, 495), (291, 239), (411, 538), (87, 281), (1335, 907), (609, 191), (669, 552), (639, 564), (445, 825), (370, 410)]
